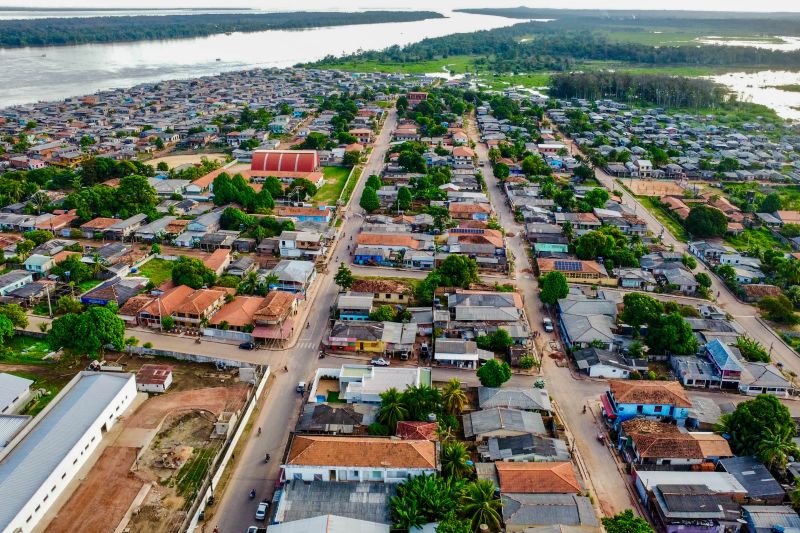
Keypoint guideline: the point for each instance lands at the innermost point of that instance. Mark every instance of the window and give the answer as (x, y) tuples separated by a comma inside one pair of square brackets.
[(28, 519), (376, 474), (657, 408), (54, 487), (37, 508), (46, 496), (297, 477), (73, 462), (317, 477), (64, 474)]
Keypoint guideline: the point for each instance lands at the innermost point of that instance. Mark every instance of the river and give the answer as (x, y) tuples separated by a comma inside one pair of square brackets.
[(52, 73)]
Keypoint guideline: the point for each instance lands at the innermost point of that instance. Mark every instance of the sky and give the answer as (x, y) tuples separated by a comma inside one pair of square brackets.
[(284, 5)]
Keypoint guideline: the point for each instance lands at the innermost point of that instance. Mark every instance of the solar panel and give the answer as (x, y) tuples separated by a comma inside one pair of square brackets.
[(569, 266)]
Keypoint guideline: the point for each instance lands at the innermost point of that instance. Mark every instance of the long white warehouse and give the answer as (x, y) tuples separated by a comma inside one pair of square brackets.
[(43, 458)]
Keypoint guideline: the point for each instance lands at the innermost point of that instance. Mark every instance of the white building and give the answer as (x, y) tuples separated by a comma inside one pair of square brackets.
[(43, 458), (365, 383), (360, 459), (14, 393)]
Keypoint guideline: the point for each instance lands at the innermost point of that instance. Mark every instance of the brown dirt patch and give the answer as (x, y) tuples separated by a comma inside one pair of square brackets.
[(103, 497), (653, 187), (215, 400)]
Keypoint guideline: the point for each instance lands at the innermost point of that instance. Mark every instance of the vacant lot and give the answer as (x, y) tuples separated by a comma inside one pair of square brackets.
[(24, 350), (653, 188), (157, 270), (173, 161), (335, 178)]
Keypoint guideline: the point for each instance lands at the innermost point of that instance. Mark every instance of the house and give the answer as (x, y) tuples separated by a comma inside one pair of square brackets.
[(763, 378), (154, 378), (273, 319), (236, 315), (646, 481), (583, 330), (469, 211), (682, 507), (599, 363), (359, 459), (198, 308), (548, 513), (501, 422), (708, 251), (574, 270), (242, 267), (484, 306), (293, 276), (122, 229), (96, 227), (327, 523), (217, 240), (384, 291), (205, 223), (11, 281), (415, 98), (770, 518), (354, 305), (727, 366), (681, 280), (526, 447), (331, 418), (218, 261), (15, 392), (653, 399), (635, 278), (39, 265), (649, 442), (531, 399), (363, 135), (301, 245), (357, 335), (537, 478), (761, 487), (365, 383), (320, 215), (459, 352), (155, 230), (117, 290)]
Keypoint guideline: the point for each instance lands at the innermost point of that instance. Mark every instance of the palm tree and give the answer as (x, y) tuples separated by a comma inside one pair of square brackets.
[(480, 506), (249, 284), (392, 409), (453, 397), (455, 460), (774, 449), (406, 513), (422, 401)]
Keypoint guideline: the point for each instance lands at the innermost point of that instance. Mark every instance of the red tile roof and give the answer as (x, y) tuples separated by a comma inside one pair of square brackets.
[(285, 160), (417, 430), (537, 478)]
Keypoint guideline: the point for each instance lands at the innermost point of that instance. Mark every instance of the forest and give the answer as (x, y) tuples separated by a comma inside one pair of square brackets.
[(533, 46), (82, 30), (649, 89)]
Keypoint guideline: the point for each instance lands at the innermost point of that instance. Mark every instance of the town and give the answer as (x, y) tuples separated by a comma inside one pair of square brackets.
[(297, 299)]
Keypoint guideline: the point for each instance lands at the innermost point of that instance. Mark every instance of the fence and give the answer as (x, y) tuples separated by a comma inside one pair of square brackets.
[(223, 457), (197, 358)]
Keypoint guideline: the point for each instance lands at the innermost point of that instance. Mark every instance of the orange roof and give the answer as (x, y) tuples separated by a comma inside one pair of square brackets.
[(99, 223), (217, 258), (354, 147), (276, 305), (64, 254), (135, 304), (239, 312), (289, 211), (372, 452), (713, 445), (465, 207), (417, 430), (387, 239), (167, 303), (650, 393), (463, 151), (547, 264), (58, 221), (789, 217), (200, 300), (537, 478)]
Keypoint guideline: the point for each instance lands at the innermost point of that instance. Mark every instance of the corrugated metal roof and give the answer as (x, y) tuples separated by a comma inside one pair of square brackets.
[(11, 387), (29, 463), (9, 426)]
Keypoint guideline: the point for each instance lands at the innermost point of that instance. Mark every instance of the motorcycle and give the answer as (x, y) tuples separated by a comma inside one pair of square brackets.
[(197, 341), (266, 458), (252, 493)]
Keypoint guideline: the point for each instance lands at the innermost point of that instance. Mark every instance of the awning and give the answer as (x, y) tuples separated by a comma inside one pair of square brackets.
[(607, 406), (275, 332)]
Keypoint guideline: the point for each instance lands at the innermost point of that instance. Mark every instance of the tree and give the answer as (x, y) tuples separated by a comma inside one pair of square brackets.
[(689, 261), (774, 449), (89, 332), (498, 341), (412, 161), (67, 304), (6, 330), (344, 277), (597, 197), (162, 166), (770, 203), (384, 313), (38, 236), (706, 221), (135, 195), (703, 279), (403, 198), (16, 314), (501, 171), (640, 309), (454, 457), (458, 271), (752, 350), (451, 523), (192, 272), (778, 309), (494, 373), (24, 247), (392, 409), (453, 397), (671, 334), (755, 420), (481, 506), (167, 322), (374, 181), (420, 402), (626, 522), (369, 200), (554, 287), (155, 249)]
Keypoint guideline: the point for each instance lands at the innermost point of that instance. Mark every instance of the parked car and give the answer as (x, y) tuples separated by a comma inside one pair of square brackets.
[(301, 386), (548, 324), (379, 361), (247, 346), (261, 512), (256, 529)]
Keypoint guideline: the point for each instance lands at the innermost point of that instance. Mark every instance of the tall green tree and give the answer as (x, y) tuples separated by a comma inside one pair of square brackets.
[(706, 221), (192, 272), (344, 277), (671, 334), (494, 373), (369, 200), (392, 409), (626, 522), (481, 506), (454, 460), (754, 421), (453, 397), (6, 330), (640, 309), (554, 287)]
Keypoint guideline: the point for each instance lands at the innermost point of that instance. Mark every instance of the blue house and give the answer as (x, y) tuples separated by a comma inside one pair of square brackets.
[(354, 305), (661, 400), (367, 255)]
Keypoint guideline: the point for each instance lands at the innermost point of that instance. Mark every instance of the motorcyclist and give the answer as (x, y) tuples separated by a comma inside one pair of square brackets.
[(259, 431)]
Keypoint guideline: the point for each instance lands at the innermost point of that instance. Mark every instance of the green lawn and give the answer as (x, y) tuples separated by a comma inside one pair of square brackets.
[(333, 397), (89, 284), (24, 350), (457, 64), (335, 178), (35, 406), (661, 214), (498, 82), (762, 238), (351, 185), (157, 270)]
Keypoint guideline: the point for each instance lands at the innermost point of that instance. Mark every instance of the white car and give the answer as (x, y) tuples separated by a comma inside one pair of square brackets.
[(548, 325), (261, 512), (379, 361)]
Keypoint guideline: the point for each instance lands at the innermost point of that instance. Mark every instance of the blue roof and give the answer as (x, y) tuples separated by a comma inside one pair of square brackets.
[(723, 356), (52, 436)]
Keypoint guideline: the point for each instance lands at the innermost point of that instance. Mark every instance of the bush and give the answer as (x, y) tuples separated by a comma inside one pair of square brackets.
[(378, 429), (526, 362), (147, 345), (494, 373)]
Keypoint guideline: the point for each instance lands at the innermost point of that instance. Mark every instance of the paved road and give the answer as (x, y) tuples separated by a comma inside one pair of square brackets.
[(281, 405), (746, 315)]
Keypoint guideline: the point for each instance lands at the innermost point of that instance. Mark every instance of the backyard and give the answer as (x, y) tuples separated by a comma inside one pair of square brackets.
[(335, 179), (760, 238), (663, 216), (157, 270), (23, 350)]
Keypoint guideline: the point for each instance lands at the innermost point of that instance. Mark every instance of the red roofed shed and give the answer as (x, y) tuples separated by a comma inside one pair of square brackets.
[(285, 160)]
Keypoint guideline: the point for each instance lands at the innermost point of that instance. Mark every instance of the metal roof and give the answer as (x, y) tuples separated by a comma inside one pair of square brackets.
[(52, 435), (723, 356), (548, 509), (11, 387)]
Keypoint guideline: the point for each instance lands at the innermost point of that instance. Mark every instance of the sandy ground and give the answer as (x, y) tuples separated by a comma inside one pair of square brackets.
[(110, 487), (653, 187), (214, 399), (177, 160)]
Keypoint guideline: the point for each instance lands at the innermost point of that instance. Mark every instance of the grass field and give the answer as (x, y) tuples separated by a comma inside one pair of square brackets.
[(335, 178), (88, 284), (23, 350), (792, 87), (761, 238), (35, 406), (456, 64), (661, 214), (351, 185), (157, 270)]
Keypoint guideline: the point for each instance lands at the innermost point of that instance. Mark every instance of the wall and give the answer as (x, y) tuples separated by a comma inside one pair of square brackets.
[(197, 358), (386, 475)]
